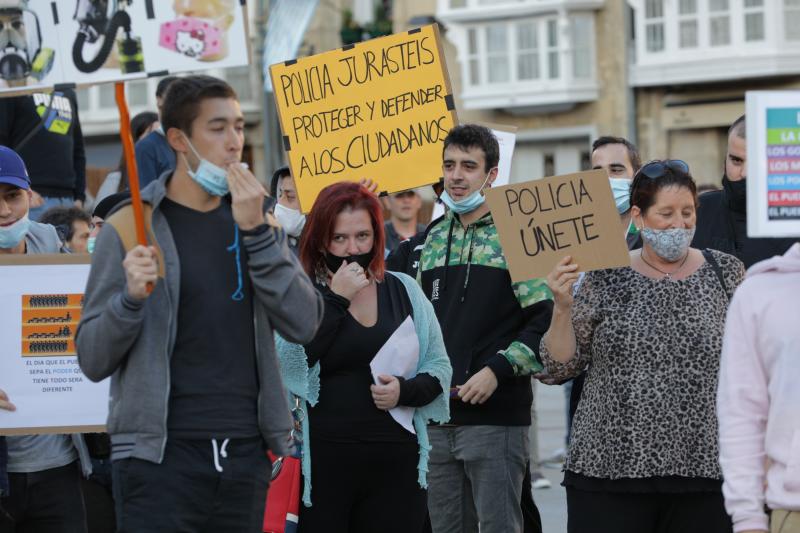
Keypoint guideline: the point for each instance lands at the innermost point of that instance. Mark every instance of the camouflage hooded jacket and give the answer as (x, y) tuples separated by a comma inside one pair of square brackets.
[(486, 319)]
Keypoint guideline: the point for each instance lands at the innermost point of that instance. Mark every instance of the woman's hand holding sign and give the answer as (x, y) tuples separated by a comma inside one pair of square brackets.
[(561, 281)]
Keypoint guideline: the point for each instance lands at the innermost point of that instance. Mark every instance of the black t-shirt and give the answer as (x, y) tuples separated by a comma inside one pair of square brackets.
[(214, 381), (346, 411)]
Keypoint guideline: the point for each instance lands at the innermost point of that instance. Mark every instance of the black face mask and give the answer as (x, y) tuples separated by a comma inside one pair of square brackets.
[(334, 262), (13, 67), (736, 192)]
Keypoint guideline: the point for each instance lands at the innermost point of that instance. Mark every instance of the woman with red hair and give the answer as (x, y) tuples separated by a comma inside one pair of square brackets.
[(369, 451)]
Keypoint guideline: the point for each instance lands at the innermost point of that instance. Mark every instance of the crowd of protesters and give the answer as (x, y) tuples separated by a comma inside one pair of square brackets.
[(680, 369)]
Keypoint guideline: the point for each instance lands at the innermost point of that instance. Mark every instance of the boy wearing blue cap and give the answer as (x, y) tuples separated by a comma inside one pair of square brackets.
[(40, 488)]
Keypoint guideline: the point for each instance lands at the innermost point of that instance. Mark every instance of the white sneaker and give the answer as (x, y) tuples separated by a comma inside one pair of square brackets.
[(538, 481)]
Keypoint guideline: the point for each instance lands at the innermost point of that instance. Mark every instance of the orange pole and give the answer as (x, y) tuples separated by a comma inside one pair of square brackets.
[(130, 163)]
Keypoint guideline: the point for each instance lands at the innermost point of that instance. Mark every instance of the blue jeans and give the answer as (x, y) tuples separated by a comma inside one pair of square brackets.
[(35, 213), (475, 476)]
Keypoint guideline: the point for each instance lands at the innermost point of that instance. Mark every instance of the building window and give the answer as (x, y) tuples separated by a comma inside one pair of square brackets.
[(83, 98), (581, 47), (753, 20), (239, 79), (654, 25), (107, 96), (719, 22), (527, 51), (458, 4), (552, 49), (791, 19), (497, 53), (687, 24), (549, 164), (137, 93), (473, 57)]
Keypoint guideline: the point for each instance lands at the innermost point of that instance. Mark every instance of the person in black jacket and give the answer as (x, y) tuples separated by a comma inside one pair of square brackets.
[(45, 131), (722, 215)]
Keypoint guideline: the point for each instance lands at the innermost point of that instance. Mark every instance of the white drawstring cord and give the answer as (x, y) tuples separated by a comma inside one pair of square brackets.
[(219, 451)]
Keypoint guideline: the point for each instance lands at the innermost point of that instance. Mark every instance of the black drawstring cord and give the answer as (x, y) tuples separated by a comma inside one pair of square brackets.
[(469, 262), (447, 253)]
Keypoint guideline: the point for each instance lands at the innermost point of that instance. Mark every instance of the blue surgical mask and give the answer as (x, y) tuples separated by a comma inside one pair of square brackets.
[(621, 187), (468, 204), (90, 244), (11, 236), (213, 179)]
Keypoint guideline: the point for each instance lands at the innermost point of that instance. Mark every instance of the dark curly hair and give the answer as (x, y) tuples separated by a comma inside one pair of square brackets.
[(468, 136)]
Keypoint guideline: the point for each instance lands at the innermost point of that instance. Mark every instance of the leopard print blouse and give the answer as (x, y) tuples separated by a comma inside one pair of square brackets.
[(648, 407)]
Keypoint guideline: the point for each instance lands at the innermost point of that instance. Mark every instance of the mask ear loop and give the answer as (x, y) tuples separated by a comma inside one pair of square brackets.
[(186, 159), (485, 181)]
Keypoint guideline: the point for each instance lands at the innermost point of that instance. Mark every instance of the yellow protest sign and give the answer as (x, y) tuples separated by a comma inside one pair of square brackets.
[(379, 109), (541, 221)]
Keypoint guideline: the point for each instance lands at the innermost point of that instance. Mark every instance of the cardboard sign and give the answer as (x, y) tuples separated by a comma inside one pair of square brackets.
[(541, 221), (378, 109), (773, 163), (49, 44), (40, 306)]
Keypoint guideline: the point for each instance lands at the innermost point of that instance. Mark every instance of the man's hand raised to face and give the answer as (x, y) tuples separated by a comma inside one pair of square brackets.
[(247, 196)]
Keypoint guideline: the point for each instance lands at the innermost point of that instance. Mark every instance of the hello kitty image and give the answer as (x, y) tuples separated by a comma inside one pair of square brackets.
[(201, 29), (190, 43)]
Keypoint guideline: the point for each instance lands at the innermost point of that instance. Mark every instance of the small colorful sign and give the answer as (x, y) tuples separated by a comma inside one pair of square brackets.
[(773, 163)]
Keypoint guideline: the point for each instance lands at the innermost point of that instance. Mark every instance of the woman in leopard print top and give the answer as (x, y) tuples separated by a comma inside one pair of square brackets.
[(643, 454)]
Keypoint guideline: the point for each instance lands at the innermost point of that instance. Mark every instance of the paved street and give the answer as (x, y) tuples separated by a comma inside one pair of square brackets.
[(552, 421)]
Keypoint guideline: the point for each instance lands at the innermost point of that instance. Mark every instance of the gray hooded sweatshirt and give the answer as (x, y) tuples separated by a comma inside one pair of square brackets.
[(34, 453), (134, 344)]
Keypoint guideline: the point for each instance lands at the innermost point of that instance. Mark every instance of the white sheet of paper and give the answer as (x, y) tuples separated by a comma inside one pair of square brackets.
[(49, 390), (399, 356)]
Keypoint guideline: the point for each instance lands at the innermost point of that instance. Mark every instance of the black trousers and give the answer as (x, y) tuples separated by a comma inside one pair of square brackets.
[(365, 487), (617, 512), (187, 493), (49, 501)]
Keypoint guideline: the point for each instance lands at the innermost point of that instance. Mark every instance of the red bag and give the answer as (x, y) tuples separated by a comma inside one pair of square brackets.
[(283, 497)]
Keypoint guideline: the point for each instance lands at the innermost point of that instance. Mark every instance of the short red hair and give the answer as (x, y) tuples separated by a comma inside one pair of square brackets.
[(318, 231)]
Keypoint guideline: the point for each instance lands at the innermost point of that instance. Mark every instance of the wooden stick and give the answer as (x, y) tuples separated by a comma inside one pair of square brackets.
[(130, 163)]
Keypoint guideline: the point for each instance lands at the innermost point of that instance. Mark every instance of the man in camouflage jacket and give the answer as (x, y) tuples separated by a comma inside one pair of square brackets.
[(492, 328)]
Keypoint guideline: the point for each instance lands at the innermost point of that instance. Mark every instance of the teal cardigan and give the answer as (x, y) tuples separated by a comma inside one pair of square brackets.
[(302, 381)]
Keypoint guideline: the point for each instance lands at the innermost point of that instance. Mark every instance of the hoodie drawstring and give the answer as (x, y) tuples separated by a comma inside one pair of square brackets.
[(469, 262), (237, 295), (219, 452), (447, 253)]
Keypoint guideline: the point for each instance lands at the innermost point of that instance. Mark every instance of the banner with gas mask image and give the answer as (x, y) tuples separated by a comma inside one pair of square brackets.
[(46, 44)]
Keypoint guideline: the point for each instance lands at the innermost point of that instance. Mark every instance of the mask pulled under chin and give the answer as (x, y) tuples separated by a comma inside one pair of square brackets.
[(736, 191), (334, 262), (213, 179), (468, 204), (11, 236)]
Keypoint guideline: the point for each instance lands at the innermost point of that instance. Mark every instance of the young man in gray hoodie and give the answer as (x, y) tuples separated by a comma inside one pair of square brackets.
[(196, 394), (43, 471)]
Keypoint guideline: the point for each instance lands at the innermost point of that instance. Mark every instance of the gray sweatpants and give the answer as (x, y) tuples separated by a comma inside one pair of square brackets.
[(475, 476)]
